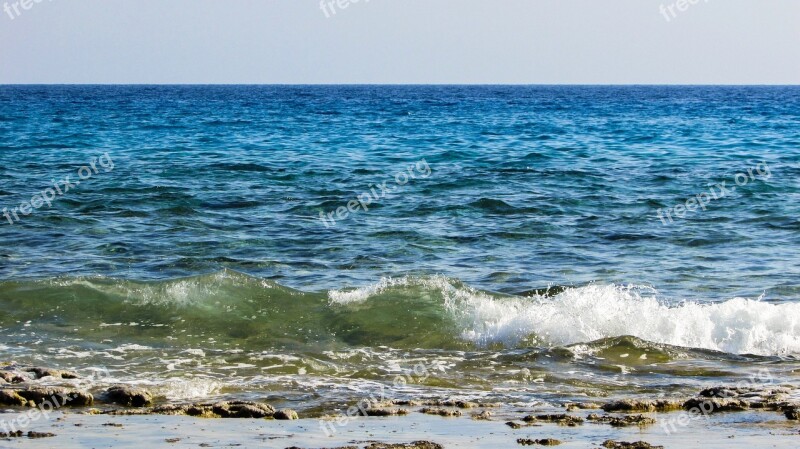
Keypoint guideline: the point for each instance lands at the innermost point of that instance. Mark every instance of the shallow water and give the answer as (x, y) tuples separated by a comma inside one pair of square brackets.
[(194, 257)]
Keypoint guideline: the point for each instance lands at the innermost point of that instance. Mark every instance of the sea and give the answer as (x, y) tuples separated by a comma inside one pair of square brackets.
[(313, 245)]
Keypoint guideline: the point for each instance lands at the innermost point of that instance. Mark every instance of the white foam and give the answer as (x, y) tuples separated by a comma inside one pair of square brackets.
[(593, 312), (738, 326)]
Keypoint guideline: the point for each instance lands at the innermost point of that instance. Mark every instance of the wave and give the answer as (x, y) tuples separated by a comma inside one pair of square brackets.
[(428, 312)]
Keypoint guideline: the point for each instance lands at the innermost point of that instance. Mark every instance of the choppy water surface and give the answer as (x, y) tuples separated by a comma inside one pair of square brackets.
[(518, 255)]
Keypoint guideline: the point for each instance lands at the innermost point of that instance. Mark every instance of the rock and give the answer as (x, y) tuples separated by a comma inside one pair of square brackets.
[(792, 413), (563, 419), (375, 445), (485, 415), (407, 403), (634, 405), (514, 425), (10, 397), (50, 372), (542, 442), (582, 406), (243, 409), (224, 409), (169, 409), (129, 396), (611, 444), (712, 405), (286, 414), (57, 396), (413, 445), (12, 377), (33, 434), (723, 392), (623, 421), (440, 411), (460, 404), (16, 434), (386, 411)]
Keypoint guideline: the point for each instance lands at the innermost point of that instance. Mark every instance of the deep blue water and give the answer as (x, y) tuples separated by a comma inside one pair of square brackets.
[(196, 249), (527, 186)]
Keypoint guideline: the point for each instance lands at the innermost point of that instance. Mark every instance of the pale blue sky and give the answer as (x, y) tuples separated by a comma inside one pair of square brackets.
[(401, 41)]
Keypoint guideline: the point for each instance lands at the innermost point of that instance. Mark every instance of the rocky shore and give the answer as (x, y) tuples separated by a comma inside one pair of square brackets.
[(36, 389)]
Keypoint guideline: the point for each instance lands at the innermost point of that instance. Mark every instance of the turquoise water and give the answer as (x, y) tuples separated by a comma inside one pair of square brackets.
[(320, 234)]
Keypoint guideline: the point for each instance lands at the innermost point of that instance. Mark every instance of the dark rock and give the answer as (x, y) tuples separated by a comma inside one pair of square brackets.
[(128, 396), (542, 442), (386, 411), (622, 421), (413, 445), (10, 397), (563, 419), (611, 444), (15, 434), (33, 434), (712, 405), (513, 425), (48, 372)]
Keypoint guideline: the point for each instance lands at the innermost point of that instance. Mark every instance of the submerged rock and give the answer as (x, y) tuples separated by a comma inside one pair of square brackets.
[(128, 396)]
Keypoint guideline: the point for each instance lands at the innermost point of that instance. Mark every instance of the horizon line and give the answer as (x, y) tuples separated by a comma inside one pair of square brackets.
[(416, 84)]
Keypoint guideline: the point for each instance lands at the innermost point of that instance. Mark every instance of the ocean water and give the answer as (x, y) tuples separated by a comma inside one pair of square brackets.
[(309, 244)]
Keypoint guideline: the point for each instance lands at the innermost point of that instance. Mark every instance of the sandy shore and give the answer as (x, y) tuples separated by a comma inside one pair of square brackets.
[(751, 429)]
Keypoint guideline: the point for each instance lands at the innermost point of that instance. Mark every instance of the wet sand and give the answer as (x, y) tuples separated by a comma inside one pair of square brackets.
[(752, 429)]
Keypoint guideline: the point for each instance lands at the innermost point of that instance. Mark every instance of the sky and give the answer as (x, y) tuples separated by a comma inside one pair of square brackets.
[(400, 41)]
